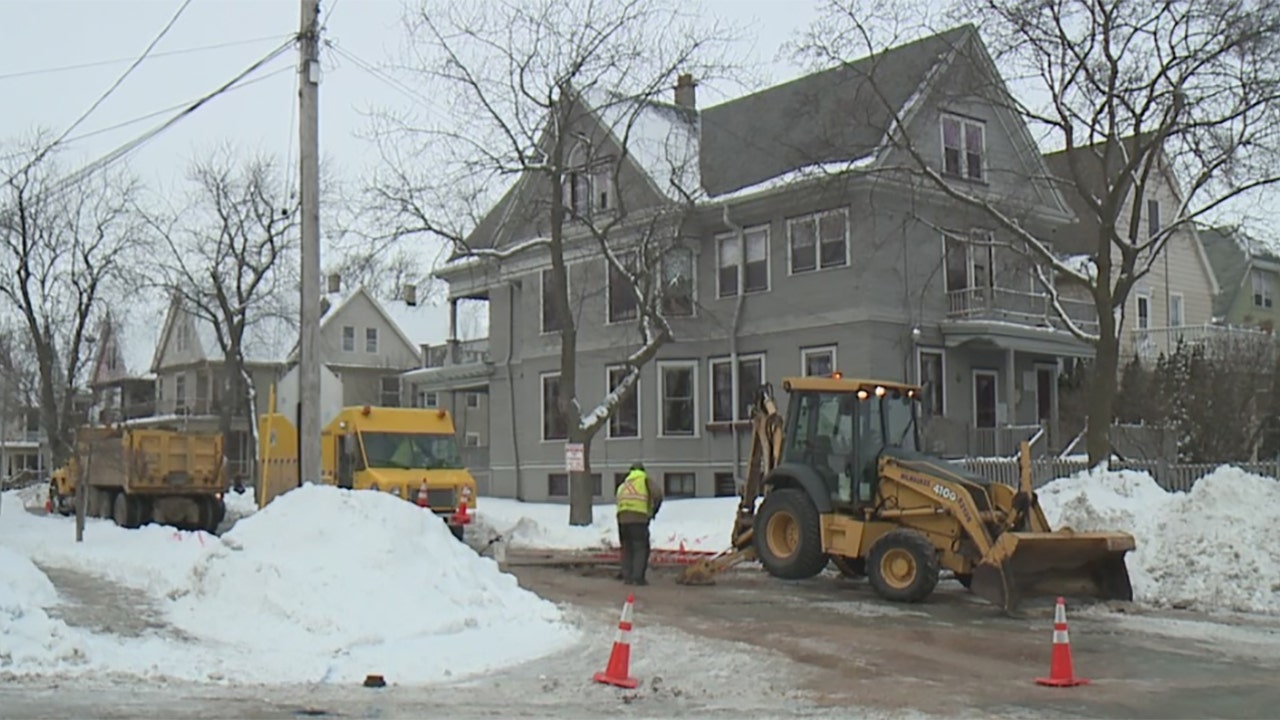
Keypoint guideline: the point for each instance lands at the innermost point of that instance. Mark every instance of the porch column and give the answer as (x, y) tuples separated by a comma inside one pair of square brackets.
[(453, 319), (1010, 389)]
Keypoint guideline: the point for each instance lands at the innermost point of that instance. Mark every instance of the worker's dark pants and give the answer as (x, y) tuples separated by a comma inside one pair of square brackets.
[(634, 538)]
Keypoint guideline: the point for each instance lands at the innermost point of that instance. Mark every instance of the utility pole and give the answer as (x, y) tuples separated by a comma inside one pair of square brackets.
[(309, 175)]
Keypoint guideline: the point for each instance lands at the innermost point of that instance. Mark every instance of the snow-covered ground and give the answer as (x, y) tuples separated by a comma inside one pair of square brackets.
[(323, 585), (1214, 548), (702, 524)]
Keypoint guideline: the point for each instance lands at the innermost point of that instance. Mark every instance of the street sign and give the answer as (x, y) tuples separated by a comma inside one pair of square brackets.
[(574, 457)]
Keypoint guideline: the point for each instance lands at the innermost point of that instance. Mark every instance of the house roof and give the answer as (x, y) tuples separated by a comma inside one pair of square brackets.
[(267, 337), (839, 114), (1231, 253), (1092, 178), (135, 332)]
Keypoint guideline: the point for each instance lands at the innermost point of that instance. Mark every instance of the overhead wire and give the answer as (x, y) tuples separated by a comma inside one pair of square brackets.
[(102, 98), (125, 149), (152, 56)]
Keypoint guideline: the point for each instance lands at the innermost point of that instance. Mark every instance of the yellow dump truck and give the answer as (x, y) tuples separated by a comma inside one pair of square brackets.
[(411, 453), (137, 476)]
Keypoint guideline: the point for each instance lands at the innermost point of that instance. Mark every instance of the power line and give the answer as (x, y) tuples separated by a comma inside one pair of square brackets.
[(128, 147), (117, 61), (163, 31), (156, 113)]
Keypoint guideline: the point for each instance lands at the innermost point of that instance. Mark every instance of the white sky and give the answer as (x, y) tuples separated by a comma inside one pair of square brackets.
[(45, 34)]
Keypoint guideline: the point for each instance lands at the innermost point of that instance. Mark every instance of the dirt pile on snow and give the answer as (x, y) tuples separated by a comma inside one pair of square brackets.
[(28, 636), (1214, 548), (329, 584)]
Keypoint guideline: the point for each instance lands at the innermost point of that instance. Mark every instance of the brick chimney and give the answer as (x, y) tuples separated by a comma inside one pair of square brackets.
[(335, 283), (411, 295), (686, 93)]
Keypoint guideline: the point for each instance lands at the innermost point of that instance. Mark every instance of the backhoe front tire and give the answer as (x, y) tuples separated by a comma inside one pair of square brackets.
[(788, 535), (903, 566)]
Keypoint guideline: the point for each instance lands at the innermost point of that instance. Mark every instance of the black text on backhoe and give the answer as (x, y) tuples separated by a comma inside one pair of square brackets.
[(842, 481)]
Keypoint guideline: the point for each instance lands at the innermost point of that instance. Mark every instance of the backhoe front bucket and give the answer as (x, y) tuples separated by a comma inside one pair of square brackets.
[(1064, 563)]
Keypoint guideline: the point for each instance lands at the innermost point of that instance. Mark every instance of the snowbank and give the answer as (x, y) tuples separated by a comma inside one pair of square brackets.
[(28, 636), (335, 584), (323, 585), (698, 523), (1214, 548)]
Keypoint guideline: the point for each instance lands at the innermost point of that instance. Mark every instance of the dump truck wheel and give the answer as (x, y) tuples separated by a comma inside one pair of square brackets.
[(903, 566), (850, 567), (788, 535), (125, 511)]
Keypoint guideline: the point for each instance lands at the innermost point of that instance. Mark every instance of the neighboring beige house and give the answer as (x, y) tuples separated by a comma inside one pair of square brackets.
[(1175, 299), (122, 379), (189, 368)]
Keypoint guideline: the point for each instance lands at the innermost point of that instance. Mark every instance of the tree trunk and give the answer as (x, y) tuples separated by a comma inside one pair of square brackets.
[(581, 497), (1102, 393)]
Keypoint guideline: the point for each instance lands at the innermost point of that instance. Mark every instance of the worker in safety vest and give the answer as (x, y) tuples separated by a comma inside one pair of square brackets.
[(638, 502)]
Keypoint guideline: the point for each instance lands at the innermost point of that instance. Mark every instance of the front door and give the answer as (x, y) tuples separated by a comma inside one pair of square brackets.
[(985, 383), (1045, 381)]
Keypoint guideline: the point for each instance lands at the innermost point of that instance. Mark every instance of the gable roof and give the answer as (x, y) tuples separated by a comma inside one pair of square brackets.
[(132, 331), (1231, 255), (266, 337), (420, 324), (841, 114)]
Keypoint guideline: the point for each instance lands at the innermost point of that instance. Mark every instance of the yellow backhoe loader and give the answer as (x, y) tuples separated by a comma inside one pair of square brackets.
[(842, 481)]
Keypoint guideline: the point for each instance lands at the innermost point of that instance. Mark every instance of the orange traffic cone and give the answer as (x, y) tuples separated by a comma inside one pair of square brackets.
[(1061, 669), (422, 494), (616, 673), (460, 516)]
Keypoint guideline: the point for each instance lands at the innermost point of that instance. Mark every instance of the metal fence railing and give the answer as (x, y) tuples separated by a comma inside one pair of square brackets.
[(1172, 476)]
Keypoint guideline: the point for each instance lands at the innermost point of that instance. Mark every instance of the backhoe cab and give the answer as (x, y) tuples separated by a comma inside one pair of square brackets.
[(843, 481)]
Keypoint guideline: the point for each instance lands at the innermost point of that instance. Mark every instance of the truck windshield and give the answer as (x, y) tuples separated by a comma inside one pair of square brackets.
[(899, 422), (417, 451)]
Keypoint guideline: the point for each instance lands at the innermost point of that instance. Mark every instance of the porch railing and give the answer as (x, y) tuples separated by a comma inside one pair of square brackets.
[(1150, 343), (458, 352), (1016, 306)]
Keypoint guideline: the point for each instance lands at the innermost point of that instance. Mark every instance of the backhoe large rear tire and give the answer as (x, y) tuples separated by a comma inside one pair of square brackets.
[(788, 535), (903, 566)]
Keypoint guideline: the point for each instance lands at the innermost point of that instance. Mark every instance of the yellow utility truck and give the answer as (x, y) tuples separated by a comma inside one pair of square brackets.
[(137, 476), (411, 453), (840, 479)]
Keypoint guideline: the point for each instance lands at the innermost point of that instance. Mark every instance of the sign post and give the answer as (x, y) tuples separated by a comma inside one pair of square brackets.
[(574, 457)]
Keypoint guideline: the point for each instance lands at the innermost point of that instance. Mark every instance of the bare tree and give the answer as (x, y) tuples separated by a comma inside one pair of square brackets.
[(66, 249), (543, 103), (227, 262), (1136, 93)]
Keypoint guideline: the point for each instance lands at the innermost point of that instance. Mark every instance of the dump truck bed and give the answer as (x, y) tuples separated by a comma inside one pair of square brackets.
[(154, 462)]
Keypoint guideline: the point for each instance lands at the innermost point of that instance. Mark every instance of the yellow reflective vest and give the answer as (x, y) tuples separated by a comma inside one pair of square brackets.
[(633, 493)]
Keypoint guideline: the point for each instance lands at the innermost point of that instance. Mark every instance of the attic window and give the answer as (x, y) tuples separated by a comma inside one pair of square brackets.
[(587, 185), (963, 147)]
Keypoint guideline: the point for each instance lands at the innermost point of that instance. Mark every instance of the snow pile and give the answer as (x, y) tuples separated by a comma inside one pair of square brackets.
[(703, 524), (28, 636), (1214, 548), (32, 496), (239, 506), (336, 584)]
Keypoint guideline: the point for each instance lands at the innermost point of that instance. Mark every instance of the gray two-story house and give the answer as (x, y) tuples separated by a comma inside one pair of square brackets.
[(812, 245)]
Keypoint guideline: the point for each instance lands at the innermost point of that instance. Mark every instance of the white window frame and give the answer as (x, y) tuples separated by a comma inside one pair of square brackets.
[(473, 400), (693, 280), (1177, 299), (1261, 281), (817, 228), (964, 162), (805, 352), (429, 398), (734, 380), (623, 257), (467, 440), (921, 350), (1142, 297), (352, 347), (1153, 215), (635, 394), (542, 408), (371, 333), (764, 230), (568, 290), (692, 367)]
